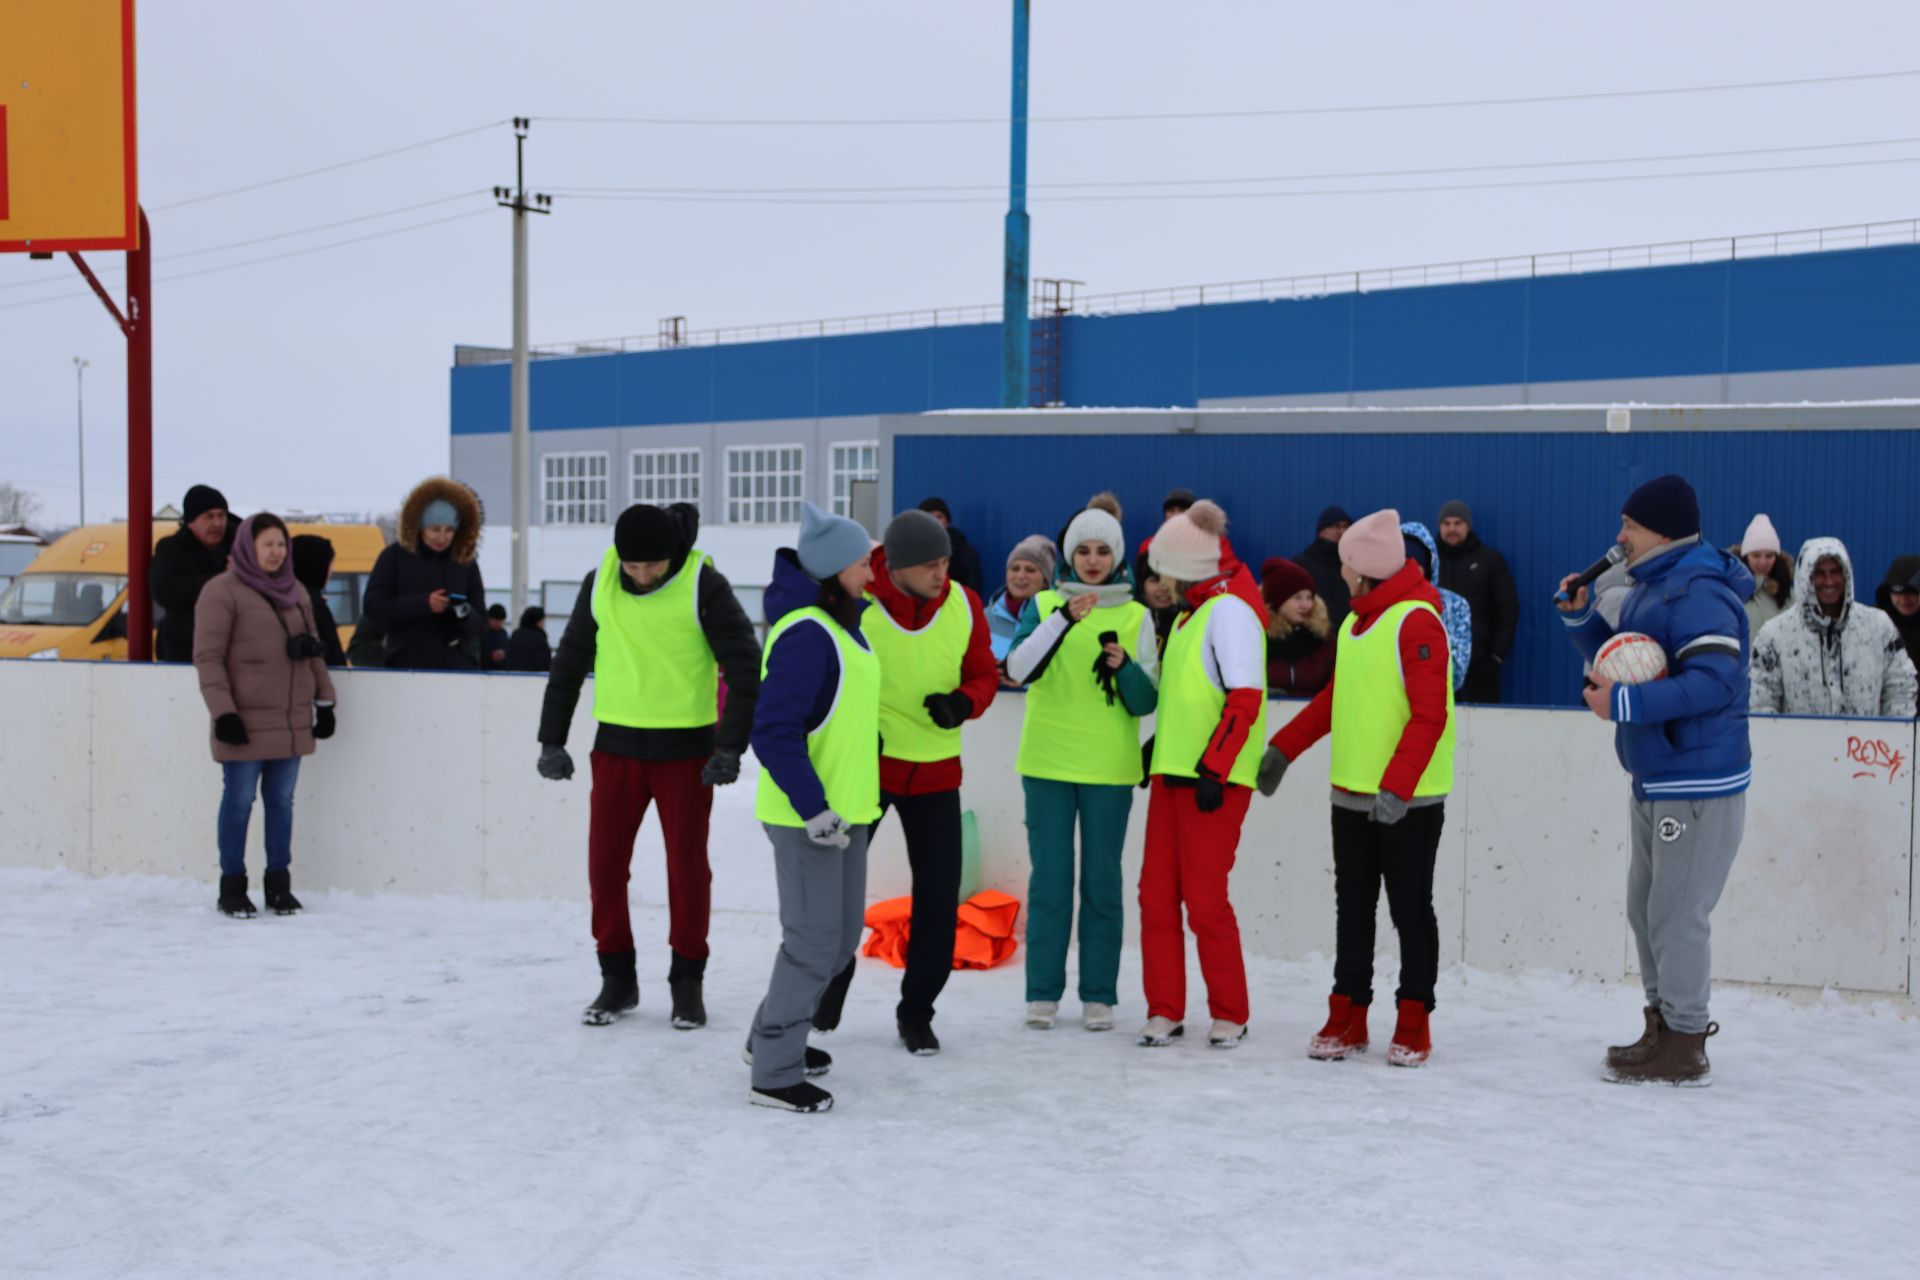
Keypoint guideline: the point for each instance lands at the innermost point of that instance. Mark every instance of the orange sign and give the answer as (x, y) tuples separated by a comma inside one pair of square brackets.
[(68, 171)]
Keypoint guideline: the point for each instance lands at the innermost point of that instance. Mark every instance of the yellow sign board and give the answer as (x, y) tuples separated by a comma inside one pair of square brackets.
[(68, 160)]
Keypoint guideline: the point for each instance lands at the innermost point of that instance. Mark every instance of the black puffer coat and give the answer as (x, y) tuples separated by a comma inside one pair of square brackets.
[(182, 566), (407, 574)]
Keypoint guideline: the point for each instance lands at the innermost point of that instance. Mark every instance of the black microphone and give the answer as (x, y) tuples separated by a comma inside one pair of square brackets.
[(1615, 554)]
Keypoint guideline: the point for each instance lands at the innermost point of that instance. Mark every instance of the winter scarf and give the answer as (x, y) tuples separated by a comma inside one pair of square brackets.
[(280, 587)]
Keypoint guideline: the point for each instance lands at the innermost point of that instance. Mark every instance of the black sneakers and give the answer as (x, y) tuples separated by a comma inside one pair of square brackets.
[(803, 1097), (819, 1061), (919, 1038)]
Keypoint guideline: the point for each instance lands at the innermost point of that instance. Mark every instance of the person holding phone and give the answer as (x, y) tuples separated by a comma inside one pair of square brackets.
[(425, 590)]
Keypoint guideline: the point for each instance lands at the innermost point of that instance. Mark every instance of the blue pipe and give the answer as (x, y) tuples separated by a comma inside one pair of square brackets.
[(1016, 343)]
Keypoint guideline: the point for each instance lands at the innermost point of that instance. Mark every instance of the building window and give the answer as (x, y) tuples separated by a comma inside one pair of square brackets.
[(666, 476), (575, 488), (764, 483), (853, 460)]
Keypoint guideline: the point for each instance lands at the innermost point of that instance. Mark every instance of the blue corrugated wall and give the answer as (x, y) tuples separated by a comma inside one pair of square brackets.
[(1549, 502), (1810, 311)]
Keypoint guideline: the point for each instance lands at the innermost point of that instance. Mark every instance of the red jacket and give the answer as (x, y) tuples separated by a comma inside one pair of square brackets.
[(978, 678), (1423, 659)]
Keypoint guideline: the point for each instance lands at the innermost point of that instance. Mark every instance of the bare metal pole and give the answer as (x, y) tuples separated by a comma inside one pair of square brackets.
[(518, 395), (80, 414)]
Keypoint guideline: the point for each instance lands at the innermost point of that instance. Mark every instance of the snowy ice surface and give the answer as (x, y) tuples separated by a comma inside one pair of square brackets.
[(400, 1086)]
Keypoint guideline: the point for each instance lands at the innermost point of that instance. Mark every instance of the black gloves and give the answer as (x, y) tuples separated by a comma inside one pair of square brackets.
[(555, 764), (1273, 767), (949, 710), (323, 722), (229, 729), (722, 767), (1208, 792)]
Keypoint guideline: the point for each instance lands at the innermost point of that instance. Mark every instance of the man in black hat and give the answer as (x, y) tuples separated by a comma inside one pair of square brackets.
[(1321, 559), (185, 561), (1479, 575), (654, 623)]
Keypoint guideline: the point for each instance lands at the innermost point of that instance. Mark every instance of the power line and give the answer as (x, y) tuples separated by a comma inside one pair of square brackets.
[(1202, 182), (328, 168), (1258, 113), (278, 235), (275, 257)]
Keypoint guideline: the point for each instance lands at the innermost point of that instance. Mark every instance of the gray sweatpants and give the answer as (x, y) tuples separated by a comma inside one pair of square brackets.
[(1682, 852), (823, 900)]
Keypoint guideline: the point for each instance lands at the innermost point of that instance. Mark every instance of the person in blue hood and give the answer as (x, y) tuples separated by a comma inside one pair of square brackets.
[(1455, 614), (1684, 740)]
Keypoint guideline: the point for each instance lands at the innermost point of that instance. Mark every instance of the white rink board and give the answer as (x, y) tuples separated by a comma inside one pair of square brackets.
[(430, 788)]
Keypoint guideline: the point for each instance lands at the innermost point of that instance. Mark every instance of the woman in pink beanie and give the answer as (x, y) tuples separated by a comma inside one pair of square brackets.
[(1772, 571), (1389, 712)]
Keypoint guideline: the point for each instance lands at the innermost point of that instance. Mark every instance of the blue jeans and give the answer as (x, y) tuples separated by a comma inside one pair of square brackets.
[(274, 780)]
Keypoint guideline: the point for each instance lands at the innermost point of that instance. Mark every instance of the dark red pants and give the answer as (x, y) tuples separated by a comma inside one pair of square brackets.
[(1188, 857), (622, 790)]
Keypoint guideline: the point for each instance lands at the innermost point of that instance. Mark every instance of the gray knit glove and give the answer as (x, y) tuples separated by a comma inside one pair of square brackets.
[(1388, 809), (1273, 767), (555, 764)]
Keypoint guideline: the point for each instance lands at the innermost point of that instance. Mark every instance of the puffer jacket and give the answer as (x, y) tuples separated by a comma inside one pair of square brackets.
[(1003, 620), (407, 573), (1807, 664), (1683, 737), (240, 654), (1455, 613), (1771, 597)]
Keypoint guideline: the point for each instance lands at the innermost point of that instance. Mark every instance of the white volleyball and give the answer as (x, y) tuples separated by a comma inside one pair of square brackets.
[(1631, 658)]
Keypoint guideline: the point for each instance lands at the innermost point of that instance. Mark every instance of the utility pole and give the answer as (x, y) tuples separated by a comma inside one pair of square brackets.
[(1015, 338), (80, 413), (517, 199)]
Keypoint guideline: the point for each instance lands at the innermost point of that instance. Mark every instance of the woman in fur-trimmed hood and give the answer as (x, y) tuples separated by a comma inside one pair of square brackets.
[(425, 589), (1300, 640)]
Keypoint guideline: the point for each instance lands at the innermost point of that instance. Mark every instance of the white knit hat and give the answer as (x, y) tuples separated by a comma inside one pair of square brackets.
[(1187, 548), (1760, 536), (1095, 525)]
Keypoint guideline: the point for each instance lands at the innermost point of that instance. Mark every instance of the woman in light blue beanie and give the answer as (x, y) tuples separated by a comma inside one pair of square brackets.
[(425, 590)]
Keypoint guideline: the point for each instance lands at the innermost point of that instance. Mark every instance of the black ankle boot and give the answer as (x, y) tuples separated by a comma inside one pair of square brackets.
[(279, 890), (233, 897), (619, 990), (684, 981)]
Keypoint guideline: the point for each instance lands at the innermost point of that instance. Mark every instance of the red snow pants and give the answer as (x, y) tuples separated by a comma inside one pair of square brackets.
[(622, 790), (1188, 856)]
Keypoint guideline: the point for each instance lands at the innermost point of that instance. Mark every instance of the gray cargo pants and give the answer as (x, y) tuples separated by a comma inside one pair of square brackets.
[(823, 902), (1682, 852)]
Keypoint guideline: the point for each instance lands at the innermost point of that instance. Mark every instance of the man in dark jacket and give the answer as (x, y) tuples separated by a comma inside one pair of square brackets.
[(529, 650), (494, 640), (964, 564), (313, 565), (183, 563), (651, 624), (1899, 597), (1478, 574), (1321, 560), (425, 589)]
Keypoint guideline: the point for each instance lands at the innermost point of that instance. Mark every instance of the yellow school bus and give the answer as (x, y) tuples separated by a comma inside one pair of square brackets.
[(71, 602)]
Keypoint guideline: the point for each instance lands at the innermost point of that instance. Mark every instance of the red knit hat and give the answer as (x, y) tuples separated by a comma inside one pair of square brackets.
[(1281, 580)]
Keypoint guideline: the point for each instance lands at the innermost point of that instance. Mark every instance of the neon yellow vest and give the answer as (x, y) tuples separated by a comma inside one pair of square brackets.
[(1070, 734), (1370, 708), (845, 749), (914, 664), (652, 666), (1190, 705)]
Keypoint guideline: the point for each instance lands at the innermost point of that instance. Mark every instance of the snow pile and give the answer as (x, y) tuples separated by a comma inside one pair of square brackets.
[(389, 1086)]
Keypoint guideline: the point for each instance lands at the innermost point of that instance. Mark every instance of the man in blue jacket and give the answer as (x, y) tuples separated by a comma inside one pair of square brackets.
[(1684, 740)]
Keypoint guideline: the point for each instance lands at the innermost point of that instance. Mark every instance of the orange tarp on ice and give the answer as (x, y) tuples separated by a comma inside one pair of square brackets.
[(982, 939)]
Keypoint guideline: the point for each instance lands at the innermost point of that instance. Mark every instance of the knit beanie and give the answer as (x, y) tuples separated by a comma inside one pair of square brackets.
[(1037, 550), (1667, 506), (1281, 580), (312, 557), (1187, 548), (439, 511), (1335, 514), (1457, 510), (1372, 547), (201, 499), (1760, 536), (645, 532), (1181, 498), (1095, 525), (915, 537), (829, 543)]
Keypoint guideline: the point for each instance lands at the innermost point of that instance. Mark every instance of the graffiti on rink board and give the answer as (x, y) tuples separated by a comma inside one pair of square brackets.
[(1874, 758)]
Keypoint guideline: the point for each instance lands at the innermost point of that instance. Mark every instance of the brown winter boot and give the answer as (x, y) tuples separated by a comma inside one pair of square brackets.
[(1642, 1049), (1679, 1058)]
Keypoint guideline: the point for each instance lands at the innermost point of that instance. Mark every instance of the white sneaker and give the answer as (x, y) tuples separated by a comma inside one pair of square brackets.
[(1226, 1035), (1041, 1014), (1160, 1032), (1097, 1017)]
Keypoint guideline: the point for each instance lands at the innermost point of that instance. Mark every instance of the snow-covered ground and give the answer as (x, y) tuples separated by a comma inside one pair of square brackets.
[(398, 1086)]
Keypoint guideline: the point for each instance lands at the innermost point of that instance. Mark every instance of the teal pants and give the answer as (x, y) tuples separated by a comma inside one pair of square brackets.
[(1052, 808)]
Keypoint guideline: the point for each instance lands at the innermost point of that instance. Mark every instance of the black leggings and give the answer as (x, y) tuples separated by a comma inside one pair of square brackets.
[(1364, 854)]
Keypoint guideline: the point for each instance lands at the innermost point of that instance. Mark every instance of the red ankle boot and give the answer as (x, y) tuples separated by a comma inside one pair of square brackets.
[(1412, 1041), (1345, 1032)]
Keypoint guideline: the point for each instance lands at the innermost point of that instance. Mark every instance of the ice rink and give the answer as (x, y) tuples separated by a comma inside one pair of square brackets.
[(400, 1086)]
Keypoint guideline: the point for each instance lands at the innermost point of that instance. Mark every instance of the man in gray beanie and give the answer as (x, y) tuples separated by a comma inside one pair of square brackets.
[(937, 671), (1479, 575)]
